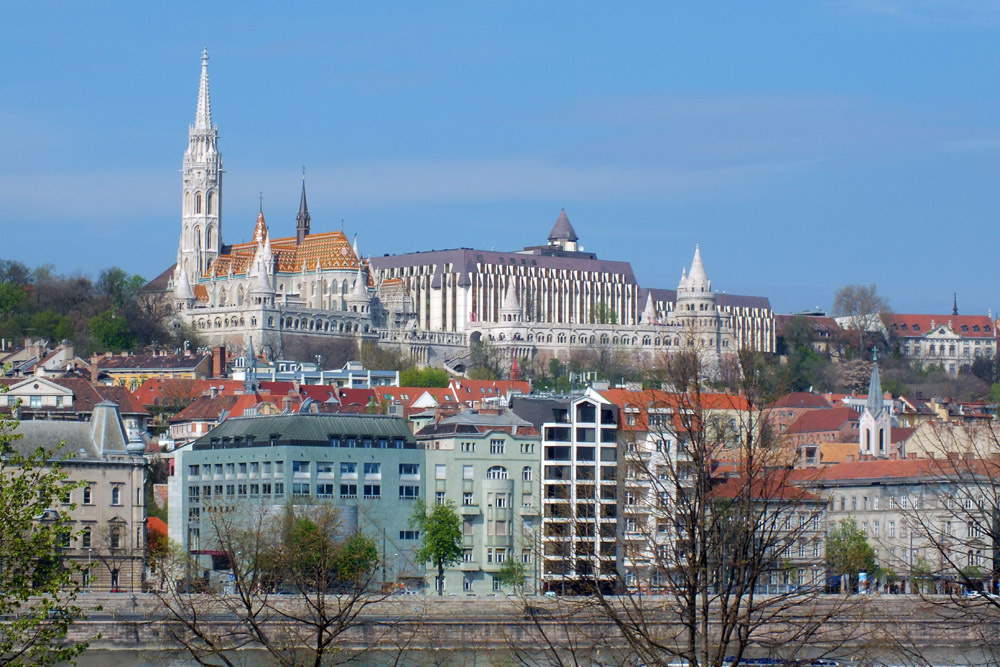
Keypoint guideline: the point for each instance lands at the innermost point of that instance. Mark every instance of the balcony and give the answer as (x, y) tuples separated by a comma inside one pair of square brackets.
[(468, 510), (468, 566)]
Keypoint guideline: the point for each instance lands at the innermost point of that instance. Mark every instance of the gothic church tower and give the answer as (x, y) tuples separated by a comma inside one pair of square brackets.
[(201, 234)]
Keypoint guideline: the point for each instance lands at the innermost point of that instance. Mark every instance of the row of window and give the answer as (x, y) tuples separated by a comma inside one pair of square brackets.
[(116, 495), (302, 489), (254, 468)]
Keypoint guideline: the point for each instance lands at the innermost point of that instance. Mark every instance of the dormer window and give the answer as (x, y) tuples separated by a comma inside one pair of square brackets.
[(916, 327), (975, 327), (903, 327)]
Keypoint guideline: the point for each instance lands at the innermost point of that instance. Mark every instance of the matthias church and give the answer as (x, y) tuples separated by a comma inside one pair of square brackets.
[(540, 301)]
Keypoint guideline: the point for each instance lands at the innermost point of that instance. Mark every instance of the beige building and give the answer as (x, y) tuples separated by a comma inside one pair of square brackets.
[(108, 511)]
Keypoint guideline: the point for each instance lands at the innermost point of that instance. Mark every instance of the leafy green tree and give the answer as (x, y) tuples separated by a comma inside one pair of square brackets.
[(112, 331), (441, 532), (512, 573), (485, 362), (848, 551), (423, 377), (12, 296), (38, 588), (118, 287)]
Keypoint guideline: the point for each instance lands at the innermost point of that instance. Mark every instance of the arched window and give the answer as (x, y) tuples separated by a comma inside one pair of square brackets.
[(85, 538), (116, 537), (88, 495), (526, 473), (496, 472), (209, 232), (197, 202), (116, 495), (211, 203)]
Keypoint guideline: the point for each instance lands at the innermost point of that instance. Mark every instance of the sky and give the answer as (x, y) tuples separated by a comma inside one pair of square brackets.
[(804, 145)]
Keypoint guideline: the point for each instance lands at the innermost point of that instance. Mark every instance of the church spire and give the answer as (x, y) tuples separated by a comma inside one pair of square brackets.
[(875, 403), (203, 114), (954, 304), (302, 219)]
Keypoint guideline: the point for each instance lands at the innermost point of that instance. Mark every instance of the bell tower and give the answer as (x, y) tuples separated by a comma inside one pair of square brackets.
[(201, 234)]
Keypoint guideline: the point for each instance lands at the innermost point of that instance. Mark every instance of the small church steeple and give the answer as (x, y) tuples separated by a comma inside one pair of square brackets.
[(954, 304), (302, 219), (875, 427)]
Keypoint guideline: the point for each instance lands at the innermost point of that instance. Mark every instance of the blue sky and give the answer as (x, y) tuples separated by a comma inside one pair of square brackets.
[(804, 145)]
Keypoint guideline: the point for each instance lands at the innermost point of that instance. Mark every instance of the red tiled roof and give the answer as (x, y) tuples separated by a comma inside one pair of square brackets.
[(775, 487), (656, 398), (205, 408), (972, 323), (801, 399), (156, 525), (184, 389), (86, 396), (832, 419)]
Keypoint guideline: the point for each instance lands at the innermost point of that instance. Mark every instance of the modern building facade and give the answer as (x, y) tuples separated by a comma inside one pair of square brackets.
[(369, 467), (580, 485)]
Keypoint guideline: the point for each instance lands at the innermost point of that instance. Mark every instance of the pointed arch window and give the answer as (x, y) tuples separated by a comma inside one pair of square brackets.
[(197, 202), (211, 203)]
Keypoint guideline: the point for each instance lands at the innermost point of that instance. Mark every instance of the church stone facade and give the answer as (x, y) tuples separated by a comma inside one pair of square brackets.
[(541, 300)]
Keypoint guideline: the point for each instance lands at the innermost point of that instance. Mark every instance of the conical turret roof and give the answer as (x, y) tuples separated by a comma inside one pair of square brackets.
[(182, 286), (360, 290), (697, 274), (649, 312), (260, 229), (510, 301), (563, 230), (875, 403)]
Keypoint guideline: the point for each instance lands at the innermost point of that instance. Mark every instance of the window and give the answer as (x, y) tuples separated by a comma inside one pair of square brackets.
[(193, 470), (373, 470), (439, 498), (467, 556), (243, 468), (875, 503), (300, 467), (254, 468), (242, 489), (468, 447), (322, 490), (230, 468), (891, 528), (496, 446), (324, 467), (467, 498), (875, 528), (193, 493), (440, 471), (267, 468), (525, 500), (526, 473), (298, 488), (467, 472), (88, 496), (85, 538), (116, 537), (496, 472), (373, 490), (116, 495), (409, 534), (348, 490), (501, 500), (496, 583), (409, 491), (466, 583), (348, 468)]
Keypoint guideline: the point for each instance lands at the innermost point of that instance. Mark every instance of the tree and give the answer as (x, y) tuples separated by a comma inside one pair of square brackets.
[(441, 534), (512, 573), (848, 552), (37, 587), (863, 308), (715, 552), (485, 361), (423, 377), (113, 331), (307, 551)]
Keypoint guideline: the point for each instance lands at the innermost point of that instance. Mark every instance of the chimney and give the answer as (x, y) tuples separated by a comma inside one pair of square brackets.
[(94, 370), (219, 361), (213, 391)]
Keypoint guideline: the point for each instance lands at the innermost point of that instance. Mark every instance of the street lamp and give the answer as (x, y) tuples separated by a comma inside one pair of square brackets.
[(90, 550)]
